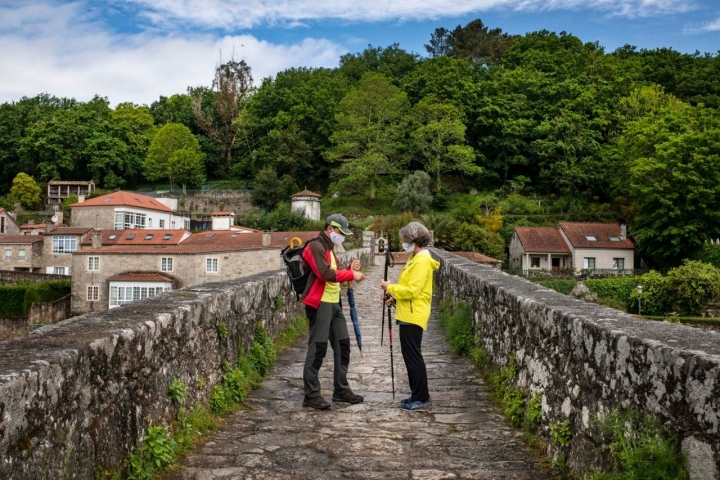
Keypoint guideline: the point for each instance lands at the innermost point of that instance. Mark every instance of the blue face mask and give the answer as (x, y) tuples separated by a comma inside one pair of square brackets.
[(408, 247)]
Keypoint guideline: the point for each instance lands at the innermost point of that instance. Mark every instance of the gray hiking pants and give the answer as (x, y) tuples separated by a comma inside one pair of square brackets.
[(327, 324)]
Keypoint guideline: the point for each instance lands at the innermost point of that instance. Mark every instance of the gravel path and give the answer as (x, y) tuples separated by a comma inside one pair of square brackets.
[(463, 435)]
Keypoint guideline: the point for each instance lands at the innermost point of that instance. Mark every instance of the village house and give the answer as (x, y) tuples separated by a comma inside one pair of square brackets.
[(58, 246), (127, 210), (588, 246), (59, 190), (109, 275), (8, 226), (21, 253)]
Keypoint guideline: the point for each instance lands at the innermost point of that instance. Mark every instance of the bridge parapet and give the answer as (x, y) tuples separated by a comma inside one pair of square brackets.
[(76, 396), (587, 360)]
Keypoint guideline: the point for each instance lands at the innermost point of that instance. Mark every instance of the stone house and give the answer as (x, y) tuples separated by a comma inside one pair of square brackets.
[(126, 210), (578, 245), (8, 225), (33, 228), (59, 190), (21, 253), (106, 276), (58, 246)]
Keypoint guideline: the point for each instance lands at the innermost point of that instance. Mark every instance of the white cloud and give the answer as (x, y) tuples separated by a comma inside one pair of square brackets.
[(60, 50), (239, 14), (712, 26)]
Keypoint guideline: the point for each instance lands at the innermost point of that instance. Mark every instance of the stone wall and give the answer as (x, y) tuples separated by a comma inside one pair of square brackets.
[(75, 397), (13, 327), (50, 312), (213, 201), (587, 360), (10, 277)]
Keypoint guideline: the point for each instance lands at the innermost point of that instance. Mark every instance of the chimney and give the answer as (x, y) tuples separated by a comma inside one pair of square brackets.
[(266, 239), (623, 231), (97, 238), (58, 217), (81, 198)]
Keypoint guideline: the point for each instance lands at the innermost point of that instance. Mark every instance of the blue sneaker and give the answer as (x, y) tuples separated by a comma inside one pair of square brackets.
[(416, 406), (405, 401)]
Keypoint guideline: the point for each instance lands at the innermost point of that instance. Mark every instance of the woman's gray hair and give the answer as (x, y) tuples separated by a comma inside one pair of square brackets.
[(417, 233)]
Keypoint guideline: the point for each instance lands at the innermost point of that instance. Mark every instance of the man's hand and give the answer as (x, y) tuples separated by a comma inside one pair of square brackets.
[(358, 276), (356, 265)]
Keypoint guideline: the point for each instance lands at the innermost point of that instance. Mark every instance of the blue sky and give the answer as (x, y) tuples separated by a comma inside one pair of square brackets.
[(137, 50)]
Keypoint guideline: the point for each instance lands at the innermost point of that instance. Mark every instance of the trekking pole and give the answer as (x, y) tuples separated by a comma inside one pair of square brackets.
[(389, 262)]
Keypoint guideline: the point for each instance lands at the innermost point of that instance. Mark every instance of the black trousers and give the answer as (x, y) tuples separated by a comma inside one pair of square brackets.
[(327, 325), (411, 345)]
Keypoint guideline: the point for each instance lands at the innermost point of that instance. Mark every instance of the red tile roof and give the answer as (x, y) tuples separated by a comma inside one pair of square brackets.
[(69, 231), (222, 214), (577, 233), (306, 193), (139, 237), (20, 238), (542, 240), (33, 226), (477, 257), (128, 199), (209, 242), (139, 277)]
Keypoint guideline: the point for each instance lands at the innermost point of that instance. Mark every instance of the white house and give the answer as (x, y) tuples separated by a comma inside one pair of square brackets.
[(306, 202), (126, 210), (577, 245)]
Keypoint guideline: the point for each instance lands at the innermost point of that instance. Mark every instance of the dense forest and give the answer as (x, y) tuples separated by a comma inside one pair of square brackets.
[(630, 135)]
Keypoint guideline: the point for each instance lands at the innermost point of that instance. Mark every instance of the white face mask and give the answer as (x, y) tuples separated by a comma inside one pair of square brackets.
[(336, 238), (408, 247)]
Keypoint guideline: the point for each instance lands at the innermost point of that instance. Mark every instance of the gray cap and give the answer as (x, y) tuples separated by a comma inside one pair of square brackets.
[(337, 220)]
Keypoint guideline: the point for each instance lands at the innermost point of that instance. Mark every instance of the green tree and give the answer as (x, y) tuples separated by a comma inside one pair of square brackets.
[(134, 126), (474, 238), (438, 138), (26, 191), (474, 41), (269, 190), (175, 154), (673, 160), (413, 194), (370, 130), (693, 285), (65, 205)]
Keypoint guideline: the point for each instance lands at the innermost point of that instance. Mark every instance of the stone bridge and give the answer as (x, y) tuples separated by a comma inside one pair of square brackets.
[(75, 397)]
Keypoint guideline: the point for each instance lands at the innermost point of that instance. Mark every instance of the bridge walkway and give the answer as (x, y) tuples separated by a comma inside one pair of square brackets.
[(463, 435)]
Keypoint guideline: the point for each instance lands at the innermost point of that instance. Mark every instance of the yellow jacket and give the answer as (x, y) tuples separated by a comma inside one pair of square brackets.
[(413, 292)]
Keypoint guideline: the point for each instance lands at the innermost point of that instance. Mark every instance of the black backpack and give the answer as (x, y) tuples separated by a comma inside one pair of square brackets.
[(297, 271)]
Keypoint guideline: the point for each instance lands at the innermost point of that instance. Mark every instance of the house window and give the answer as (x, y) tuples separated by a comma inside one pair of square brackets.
[(93, 293), (127, 220), (187, 224), (59, 270), (619, 263), (93, 264), (64, 244), (172, 224), (21, 254), (8, 254), (162, 223), (166, 264), (534, 262), (122, 295), (149, 221), (2, 224), (589, 263), (591, 238), (211, 265)]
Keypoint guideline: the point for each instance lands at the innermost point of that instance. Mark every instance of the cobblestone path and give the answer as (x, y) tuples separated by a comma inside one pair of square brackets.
[(462, 436)]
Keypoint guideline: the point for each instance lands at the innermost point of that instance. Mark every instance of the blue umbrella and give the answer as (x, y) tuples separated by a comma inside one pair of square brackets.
[(354, 317)]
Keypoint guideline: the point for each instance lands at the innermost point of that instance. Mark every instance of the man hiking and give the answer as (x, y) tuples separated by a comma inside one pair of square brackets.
[(327, 322)]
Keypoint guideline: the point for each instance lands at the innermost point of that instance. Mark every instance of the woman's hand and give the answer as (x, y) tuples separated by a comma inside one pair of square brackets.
[(384, 284), (389, 301)]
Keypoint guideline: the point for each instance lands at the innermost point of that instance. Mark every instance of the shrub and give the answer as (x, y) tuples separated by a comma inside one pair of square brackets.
[(474, 238), (177, 391), (619, 289), (155, 452), (262, 352), (45, 292), (656, 298), (562, 286), (708, 253), (280, 219), (12, 300), (413, 194), (459, 328), (693, 285)]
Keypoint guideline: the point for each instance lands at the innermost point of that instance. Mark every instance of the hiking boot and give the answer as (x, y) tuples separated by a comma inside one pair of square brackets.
[(318, 403), (416, 406), (347, 397), (405, 401)]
